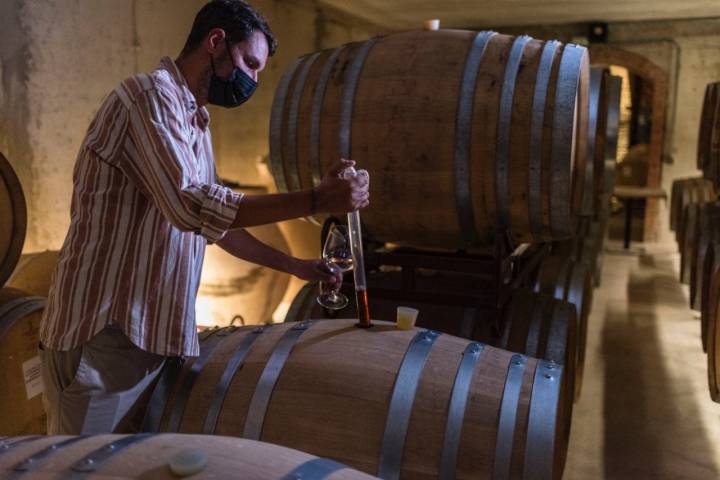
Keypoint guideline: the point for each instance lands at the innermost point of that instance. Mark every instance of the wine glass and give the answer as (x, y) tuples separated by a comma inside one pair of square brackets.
[(338, 258)]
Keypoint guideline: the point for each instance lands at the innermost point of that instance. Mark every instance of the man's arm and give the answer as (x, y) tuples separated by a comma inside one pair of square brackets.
[(241, 244), (334, 194)]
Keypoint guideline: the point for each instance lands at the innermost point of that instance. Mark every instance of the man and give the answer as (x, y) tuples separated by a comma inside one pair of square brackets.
[(145, 203)]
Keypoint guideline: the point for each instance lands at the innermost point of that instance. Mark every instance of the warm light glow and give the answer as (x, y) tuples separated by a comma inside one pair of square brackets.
[(205, 315), (231, 287), (280, 312), (625, 111)]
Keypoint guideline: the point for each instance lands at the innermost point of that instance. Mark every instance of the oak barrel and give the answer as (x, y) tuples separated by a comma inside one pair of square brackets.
[(13, 219), (678, 185), (710, 268), (603, 124), (712, 337), (707, 120), (148, 456), (690, 191), (541, 326), (691, 217), (33, 273), (21, 382), (611, 134), (587, 247), (393, 403), (569, 280), (463, 133), (706, 233), (708, 149)]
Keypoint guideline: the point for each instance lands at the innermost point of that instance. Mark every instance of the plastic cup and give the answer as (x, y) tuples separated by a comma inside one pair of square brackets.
[(406, 317)]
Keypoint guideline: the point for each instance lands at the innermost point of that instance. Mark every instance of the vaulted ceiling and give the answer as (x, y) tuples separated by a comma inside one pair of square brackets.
[(410, 14)]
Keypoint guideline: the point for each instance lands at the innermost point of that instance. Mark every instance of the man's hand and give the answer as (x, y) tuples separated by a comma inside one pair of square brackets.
[(338, 195), (316, 270)]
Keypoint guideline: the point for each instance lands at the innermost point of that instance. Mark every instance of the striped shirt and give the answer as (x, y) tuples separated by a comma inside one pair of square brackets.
[(145, 203)]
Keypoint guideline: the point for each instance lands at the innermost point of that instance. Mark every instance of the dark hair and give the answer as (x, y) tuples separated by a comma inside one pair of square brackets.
[(238, 18)]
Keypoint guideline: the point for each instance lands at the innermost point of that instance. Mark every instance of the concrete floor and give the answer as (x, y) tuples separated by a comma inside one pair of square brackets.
[(645, 411)]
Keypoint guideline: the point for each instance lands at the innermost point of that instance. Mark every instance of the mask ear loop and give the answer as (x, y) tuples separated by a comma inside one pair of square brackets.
[(227, 49)]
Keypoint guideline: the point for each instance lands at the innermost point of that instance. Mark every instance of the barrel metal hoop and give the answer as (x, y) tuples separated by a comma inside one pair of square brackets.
[(549, 329), (292, 157), (502, 155), (315, 469), (535, 203), (508, 417), (575, 290), (401, 403), (463, 135), (613, 118), (181, 398), (542, 422), (268, 379), (16, 309), (556, 349), (316, 114), (6, 446), (168, 378), (563, 279), (456, 410), (567, 97), (33, 461), (532, 341), (348, 98), (94, 460), (588, 198), (276, 126), (233, 365)]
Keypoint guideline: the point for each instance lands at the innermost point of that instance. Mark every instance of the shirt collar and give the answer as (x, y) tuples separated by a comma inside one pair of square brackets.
[(203, 117)]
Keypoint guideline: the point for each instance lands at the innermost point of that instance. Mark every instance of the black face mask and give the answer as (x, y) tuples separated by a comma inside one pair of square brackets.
[(232, 92)]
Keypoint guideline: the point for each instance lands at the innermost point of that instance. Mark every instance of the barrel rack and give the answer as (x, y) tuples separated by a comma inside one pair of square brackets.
[(476, 283)]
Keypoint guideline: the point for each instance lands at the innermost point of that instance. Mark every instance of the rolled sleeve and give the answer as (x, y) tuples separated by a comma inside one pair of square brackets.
[(218, 211)]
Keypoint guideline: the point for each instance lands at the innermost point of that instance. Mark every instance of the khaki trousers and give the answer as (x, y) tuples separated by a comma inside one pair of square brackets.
[(90, 389)]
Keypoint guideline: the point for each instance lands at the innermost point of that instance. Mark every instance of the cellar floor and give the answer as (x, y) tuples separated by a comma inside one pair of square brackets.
[(645, 411)]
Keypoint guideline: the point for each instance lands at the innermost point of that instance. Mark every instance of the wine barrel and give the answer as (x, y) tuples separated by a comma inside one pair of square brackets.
[(543, 327), (705, 235), (603, 125), (708, 151), (693, 191), (569, 280), (707, 120), (34, 272), (21, 409), (446, 309), (597, 119), (13, 219), (691, 218), (710, 268), (162, 456), (480, 133), (712, 337), (591, 252), (678, 185), (585, 247), (385, 401), (611, 135)]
